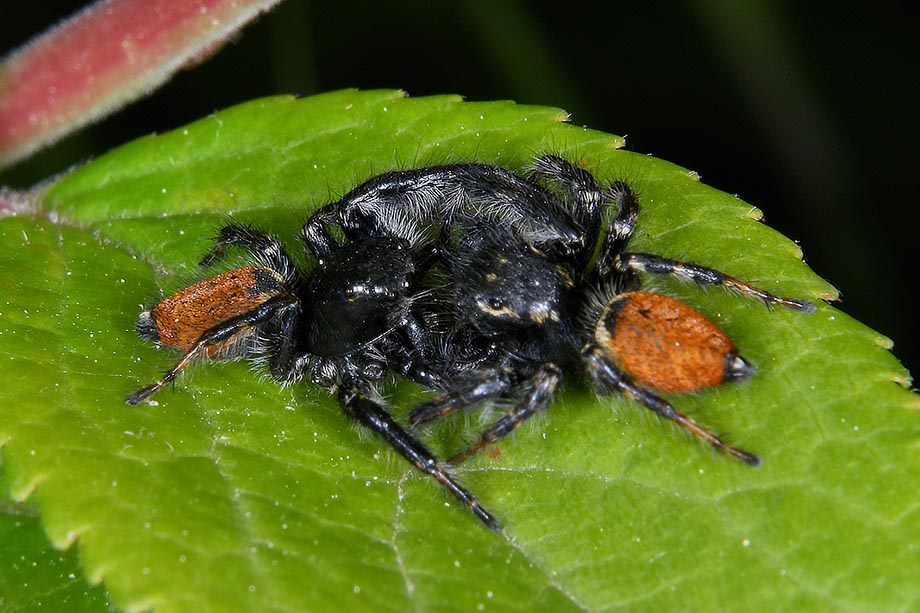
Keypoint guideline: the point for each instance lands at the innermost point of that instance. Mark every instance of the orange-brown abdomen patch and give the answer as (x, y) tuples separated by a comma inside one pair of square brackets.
[(181, 318), (663, 343)]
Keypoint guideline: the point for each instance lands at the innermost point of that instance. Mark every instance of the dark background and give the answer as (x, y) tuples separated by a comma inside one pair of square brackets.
[(804, 109)]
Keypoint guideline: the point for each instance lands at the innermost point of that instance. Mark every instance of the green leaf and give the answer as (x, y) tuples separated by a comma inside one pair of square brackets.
[(233, 493), (36, 575)]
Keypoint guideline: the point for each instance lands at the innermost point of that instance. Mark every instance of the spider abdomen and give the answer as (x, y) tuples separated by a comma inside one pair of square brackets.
[(666, 345), (180, 319)]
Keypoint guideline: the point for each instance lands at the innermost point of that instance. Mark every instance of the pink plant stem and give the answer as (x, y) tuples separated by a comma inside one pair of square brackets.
[(109, 54)]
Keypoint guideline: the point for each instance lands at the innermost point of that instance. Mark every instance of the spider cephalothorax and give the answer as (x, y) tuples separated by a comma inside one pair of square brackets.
[(469, 279)]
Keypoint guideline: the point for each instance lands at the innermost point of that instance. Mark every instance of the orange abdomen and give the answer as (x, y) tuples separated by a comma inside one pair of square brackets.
[(664, 344), (180, 319)]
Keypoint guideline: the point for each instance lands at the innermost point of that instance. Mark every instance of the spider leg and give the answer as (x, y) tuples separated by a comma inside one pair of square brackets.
[(588, 197), (284, 352), (316, 236), (223, 332), (403, 203), (414, 355), (614, 259), (650, 263), (373, 416), (266, 248), (622, 226), (543, 386), (482, 386), (608, 377)]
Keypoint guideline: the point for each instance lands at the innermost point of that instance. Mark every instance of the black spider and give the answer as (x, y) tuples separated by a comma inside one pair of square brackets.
[(465, 278), (360, 312), (543, 314)]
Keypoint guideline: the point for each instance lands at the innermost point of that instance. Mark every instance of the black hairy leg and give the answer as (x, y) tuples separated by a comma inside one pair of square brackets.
[(609, 379), (542, 389), (375, 418), (280, 307), (260, 247)]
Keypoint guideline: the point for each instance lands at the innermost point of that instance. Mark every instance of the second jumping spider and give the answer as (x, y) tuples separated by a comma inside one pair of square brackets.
[(542, 316), (469, 279)]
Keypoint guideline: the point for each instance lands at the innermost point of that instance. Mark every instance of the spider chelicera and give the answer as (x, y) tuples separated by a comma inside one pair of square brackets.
[(469, 279)]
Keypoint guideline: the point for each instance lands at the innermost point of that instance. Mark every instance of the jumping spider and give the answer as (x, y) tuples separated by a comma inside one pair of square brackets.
[(542, 316), (468, 279), (360, 312)]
